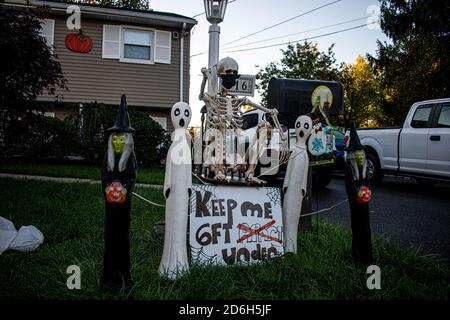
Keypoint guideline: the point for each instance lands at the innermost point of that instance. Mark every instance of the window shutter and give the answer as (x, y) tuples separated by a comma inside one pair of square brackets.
[(162, 46), (48, 31), (111, 42)]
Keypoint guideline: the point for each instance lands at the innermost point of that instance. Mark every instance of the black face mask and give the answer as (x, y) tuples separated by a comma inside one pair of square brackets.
[(229, 80)]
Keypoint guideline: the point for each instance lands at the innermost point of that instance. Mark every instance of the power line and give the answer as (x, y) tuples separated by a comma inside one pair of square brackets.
[(296, 33), (292, 41), (199, 14), (282, 22), (305, 39)]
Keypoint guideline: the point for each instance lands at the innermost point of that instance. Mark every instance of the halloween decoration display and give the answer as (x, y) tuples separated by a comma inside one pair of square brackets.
[(294, 186), (118, 178), (177, 189), (357, 187), (224, 116), (78, 42)]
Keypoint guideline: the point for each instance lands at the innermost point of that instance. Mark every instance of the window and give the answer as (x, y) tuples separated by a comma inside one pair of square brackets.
[(161, 120), (136, 45), (421, 116), (48, 30), (444, 117)]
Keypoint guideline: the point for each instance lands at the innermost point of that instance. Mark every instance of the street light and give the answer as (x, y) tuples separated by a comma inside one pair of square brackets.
[(215, 12)]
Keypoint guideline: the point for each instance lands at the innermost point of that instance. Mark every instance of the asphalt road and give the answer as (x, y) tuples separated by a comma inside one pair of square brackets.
[(402, 211)]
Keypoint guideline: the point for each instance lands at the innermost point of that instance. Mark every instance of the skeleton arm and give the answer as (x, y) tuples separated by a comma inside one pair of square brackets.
[(272, 112), (202, 88)]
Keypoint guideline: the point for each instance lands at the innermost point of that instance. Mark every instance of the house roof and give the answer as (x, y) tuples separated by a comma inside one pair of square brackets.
[(146, 17)]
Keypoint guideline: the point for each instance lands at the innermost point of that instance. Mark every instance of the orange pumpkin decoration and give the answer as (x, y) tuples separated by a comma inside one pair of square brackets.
[(78, 42), (363, 195), (116, 193)]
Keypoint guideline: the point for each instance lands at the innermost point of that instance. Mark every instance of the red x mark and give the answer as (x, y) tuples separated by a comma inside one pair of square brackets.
[(252, 232)]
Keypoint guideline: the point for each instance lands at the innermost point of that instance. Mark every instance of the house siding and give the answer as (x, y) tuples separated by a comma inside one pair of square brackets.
[(153, 88)]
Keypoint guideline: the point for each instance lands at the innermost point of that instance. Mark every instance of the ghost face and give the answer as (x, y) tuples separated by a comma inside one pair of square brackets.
[(181, 115), (303, 127)]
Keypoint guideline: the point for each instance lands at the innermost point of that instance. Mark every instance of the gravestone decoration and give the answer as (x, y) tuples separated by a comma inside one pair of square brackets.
[(359, 194), (118, 177), (177, 189), (294, 185)]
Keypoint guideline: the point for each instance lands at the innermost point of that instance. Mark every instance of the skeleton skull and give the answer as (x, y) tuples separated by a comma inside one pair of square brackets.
[(181, 115), (226, 66)]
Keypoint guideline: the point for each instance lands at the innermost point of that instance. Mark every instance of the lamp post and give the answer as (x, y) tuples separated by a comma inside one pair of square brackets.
[(215, 12)]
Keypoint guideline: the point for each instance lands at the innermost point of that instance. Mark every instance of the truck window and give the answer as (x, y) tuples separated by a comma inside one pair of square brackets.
[(421, 116), (249, 121), (444, 117)]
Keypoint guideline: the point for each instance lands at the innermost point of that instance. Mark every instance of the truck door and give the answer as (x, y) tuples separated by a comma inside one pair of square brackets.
[(414, 141), (439, 141)]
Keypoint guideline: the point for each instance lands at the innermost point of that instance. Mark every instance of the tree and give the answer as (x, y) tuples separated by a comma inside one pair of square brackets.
[(302, 61), (363, 95), (128, 4), (28, 65), (416, 64)]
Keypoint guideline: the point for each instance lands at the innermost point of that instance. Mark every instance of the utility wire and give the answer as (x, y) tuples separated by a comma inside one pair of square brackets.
[(199, 14), (305, 39), (301, 32), (282, 22)]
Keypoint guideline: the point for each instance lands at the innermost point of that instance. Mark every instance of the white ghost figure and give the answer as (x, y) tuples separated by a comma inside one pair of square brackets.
[(177, 189), (294, 186)]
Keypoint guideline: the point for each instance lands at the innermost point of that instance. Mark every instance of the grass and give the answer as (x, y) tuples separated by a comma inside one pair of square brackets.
[(71, 218), (145, 175)]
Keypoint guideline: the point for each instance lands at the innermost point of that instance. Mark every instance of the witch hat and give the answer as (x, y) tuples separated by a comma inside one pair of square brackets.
[(123, 119), (354, 143)]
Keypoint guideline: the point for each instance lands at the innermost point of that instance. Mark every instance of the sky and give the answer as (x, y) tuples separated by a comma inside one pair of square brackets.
[(244, 17)]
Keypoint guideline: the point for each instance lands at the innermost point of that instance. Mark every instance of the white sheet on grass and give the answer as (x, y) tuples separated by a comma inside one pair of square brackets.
[(27, 238)]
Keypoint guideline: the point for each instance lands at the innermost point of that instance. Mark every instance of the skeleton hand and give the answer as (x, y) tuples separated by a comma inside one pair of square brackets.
[(284, 152)]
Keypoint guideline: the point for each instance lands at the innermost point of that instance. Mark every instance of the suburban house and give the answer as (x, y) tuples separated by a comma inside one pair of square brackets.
[(143, 54)]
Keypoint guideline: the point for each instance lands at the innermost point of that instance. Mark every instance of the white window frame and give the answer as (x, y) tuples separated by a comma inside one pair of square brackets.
[(122, 46), (162, 119), (52, 35)]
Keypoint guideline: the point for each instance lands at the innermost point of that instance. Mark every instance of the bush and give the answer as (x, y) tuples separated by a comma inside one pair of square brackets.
[(34, 136), (96, 118), (42, 138)]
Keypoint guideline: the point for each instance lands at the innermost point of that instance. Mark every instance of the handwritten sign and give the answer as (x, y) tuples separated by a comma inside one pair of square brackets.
[(230, 224)]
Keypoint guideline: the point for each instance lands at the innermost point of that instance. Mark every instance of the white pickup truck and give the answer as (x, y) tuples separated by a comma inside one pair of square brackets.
[(420, 149)]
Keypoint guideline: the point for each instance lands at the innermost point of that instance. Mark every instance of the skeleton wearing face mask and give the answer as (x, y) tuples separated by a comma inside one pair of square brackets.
[(177, 189), (223, 114), (359, 195), (118, 178)]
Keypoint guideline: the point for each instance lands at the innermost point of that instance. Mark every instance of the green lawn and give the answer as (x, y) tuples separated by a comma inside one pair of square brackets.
[(71, 218), (145, 175)]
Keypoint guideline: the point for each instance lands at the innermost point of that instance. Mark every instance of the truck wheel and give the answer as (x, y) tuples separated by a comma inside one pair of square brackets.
[(373, 169)]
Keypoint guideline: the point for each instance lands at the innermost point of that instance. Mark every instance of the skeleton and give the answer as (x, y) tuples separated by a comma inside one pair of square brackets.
[(223, 114)]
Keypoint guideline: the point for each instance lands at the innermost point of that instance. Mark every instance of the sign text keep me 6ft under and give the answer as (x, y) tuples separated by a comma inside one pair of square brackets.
[(235, 224)]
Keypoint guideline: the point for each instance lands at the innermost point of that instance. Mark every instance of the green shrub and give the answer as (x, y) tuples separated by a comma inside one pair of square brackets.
[(35, 136), (96, 118)]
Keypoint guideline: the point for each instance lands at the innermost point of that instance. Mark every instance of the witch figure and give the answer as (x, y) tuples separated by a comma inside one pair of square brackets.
[(359, 194), (118, 177)]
